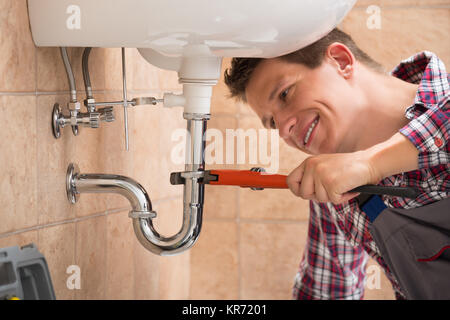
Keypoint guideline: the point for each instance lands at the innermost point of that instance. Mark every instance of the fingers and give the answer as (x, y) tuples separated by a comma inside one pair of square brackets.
[(302, 182), (307, 185), (321, 194), (309, 181), (294, 179)]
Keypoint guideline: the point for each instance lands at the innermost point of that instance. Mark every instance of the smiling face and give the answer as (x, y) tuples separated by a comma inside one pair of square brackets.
[(315, 110)]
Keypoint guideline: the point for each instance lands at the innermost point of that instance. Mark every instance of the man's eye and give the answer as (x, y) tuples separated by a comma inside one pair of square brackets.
[(272, 123), (284, 94)]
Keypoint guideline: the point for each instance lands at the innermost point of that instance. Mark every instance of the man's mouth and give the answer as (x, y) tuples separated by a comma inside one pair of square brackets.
[(307, 138)]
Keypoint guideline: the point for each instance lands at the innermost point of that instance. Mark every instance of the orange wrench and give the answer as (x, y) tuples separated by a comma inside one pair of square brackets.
[(260, 180)]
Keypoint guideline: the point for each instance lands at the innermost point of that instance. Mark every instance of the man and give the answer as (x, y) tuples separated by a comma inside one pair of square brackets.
[(361, 126)]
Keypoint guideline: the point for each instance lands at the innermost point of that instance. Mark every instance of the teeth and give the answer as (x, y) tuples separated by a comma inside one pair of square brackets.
[(310, 130)]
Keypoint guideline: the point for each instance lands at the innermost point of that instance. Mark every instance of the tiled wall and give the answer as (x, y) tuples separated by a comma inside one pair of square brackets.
[(251, 242), (96, 233)]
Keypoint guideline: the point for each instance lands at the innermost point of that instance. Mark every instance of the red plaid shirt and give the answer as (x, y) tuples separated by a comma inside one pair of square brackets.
[(339, 242)]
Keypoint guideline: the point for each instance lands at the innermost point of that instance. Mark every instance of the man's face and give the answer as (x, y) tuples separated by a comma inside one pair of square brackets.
[(315, 110)]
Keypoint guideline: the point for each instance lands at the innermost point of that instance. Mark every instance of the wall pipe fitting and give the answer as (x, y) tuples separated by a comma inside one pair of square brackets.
[(77, 183)]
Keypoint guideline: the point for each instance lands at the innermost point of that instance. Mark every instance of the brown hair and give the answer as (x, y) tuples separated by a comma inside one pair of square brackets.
[(237, 77)]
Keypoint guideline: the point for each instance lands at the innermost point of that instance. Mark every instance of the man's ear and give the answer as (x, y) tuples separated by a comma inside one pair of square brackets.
[(341, 56)]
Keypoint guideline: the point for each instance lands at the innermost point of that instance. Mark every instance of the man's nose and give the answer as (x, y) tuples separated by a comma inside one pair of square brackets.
[(287, 126)]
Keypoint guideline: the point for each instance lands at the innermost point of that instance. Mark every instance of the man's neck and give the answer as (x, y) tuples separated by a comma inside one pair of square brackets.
[(387, 98)]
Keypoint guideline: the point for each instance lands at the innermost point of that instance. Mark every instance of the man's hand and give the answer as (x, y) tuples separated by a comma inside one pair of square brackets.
[(330, 177)]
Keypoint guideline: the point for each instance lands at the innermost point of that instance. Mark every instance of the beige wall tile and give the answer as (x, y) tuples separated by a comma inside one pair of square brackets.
[(272, 204), (169, 216), (17, 50), (216, 143), (214, 262), (174, 270), (57, 244), (51, 75), (19, 166), (400, 35), (221, 102), (168, 81), (19, 239), (153, 162), (174, 281), (146, 151), (91, 257), (171, 121), (112, 60), (163, 277), (141, 75), (270, 255), (119, 257), (146, 273), (251, 127), (220, 202)]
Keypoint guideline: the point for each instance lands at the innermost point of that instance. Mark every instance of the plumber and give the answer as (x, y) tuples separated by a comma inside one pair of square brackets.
[(360, 125)]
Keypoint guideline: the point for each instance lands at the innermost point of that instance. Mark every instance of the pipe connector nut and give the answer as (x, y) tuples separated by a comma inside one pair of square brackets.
[(142, 214)]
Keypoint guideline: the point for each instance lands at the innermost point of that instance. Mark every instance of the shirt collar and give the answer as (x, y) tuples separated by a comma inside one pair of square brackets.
[(427, 70)]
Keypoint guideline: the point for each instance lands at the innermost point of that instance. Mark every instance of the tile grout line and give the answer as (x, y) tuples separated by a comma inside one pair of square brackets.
[(105, 248), (132, 154), (66, 92), (57, 223), (259, 220), (37, 212), (79, 219), (36, 186), (75, 248)]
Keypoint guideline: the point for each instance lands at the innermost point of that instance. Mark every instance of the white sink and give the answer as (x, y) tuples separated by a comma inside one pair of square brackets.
[(230, 28)]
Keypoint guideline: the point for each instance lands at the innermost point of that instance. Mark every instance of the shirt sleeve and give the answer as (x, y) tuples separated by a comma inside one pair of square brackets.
[(331, 268), (430, 132)]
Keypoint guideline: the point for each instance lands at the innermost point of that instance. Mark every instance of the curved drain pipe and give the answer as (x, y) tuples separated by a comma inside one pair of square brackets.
[(141, 212)]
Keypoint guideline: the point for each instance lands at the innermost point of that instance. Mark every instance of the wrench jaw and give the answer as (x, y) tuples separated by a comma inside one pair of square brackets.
[(204, 177)]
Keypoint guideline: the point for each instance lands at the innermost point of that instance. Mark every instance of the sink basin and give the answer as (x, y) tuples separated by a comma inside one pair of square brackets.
[(230, 28)]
